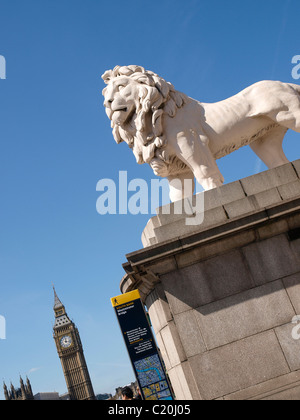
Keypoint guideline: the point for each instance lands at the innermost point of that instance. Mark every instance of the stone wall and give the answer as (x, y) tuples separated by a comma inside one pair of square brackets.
[(222, 296)]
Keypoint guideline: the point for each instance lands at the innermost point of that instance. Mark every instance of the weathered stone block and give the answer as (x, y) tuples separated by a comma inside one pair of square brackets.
[(290, 394), (275, 229), (220, 196), (271, 259), (168, 231), (179, 228), (239, 365), (173, 212), (163, 351), (290, 346), (269, 179), (294, 221), (214, 248), (205, 282), (148, 232), (173, 345), (292, 285), (296, 165), (268, 198), (284, 387), (183, 381), (290, 190), (158, 308), (241, 207), (165, 266), (244, 314), (190, 333), (182, 295)]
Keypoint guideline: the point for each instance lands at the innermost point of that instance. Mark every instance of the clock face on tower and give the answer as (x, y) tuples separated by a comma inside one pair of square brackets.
[(66, 341)]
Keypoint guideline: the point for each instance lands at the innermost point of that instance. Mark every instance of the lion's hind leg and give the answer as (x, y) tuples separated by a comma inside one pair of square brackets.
[(269, 148), (289, 115), (289, 119)]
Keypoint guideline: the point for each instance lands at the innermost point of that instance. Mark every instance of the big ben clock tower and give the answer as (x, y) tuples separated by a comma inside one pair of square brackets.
[(71, 355)]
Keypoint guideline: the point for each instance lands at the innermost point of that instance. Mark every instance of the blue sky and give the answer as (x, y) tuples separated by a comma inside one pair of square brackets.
[(56, 144)]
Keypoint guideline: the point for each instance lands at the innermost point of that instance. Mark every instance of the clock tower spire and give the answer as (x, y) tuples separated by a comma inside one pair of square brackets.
[(70, 351)]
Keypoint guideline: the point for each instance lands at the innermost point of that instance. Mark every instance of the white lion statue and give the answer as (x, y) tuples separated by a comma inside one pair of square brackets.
[(181, 138)]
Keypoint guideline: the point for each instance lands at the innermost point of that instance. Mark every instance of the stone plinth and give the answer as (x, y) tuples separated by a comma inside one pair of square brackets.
[(222, 295)]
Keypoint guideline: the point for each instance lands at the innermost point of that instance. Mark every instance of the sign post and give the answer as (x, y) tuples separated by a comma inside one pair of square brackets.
[(145, 359)]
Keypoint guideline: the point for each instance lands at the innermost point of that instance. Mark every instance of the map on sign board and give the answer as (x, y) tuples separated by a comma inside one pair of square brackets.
[(152, 378)]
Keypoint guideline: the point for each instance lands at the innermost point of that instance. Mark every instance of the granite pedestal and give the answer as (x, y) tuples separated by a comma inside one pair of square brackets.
[(222, 296)]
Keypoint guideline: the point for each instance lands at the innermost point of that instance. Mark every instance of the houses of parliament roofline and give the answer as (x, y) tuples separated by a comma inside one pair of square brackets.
[(24, 392)]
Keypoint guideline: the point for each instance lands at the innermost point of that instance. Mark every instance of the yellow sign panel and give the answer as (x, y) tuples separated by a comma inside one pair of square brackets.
[(127, 297)]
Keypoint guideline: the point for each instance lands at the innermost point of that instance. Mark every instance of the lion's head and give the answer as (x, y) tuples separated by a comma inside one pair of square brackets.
[(136, 101)]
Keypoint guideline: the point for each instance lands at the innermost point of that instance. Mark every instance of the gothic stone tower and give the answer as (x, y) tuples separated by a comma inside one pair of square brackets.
[(22, 393), (70, 351)]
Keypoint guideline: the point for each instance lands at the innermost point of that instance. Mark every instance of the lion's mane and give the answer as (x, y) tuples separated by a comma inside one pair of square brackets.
[(159, 98)]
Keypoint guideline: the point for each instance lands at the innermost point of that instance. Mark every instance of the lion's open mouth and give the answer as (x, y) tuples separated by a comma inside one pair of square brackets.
[(123, 115)]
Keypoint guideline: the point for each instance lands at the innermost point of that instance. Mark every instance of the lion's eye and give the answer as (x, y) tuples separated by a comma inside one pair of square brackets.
[(121, 87)]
